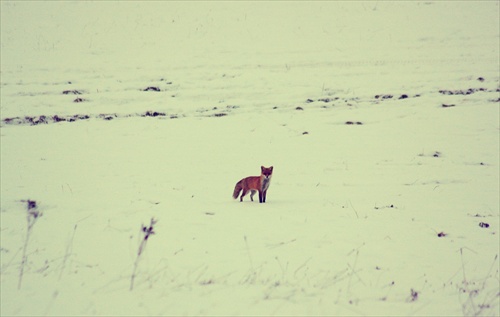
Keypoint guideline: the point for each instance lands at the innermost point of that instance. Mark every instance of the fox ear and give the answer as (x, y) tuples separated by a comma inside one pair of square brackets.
[(271, 168), (262, 168)]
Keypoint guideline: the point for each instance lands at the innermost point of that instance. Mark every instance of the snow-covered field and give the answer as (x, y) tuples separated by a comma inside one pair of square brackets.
[(381, 120)]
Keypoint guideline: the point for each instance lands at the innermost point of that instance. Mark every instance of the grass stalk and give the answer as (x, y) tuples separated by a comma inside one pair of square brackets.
[(147, 231), (68, 252), (32, 214)]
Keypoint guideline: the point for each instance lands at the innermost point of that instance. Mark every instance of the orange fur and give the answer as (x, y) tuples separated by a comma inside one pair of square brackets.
[(254, 184)]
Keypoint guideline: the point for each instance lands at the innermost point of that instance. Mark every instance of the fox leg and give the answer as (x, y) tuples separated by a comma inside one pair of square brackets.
[(245, 191), (251, 194), (264, 194), (260, 196)]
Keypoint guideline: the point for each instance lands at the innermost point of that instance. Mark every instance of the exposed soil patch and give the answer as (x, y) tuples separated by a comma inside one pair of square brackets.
[(391, 206), (383, 96), (389, 96), (107, 116), (462, 92), (326, 100), (153, 114), (220, 114), (72, 92), (36, 120), (151, 88)]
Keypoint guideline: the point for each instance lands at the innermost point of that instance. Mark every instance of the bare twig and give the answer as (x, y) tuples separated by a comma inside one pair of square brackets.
[(31, 216), (489, 272), (252, 272), (147, 231), (488, 298), (352, 271), (68, 252), (357, 216), (466, 289), (283, 269)]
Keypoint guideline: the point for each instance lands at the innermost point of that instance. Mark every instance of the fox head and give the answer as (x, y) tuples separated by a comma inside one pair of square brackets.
[(266, 171)]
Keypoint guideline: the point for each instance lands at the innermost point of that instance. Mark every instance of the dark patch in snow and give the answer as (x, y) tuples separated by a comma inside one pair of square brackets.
[(36, 120), (484, 225), (27, 120), (383, 96), (72, 92), (207, 282), (107, 116), (39, 120), (326, 100), (354, 123), (78, 117), (79, 100), (461, 92), (31, 204), (413, 296), (477, 215), (221, 112), (447, 106), (389, 96), (153, 114), (56, 118), (391, 206), (299, 108), (151, 88)]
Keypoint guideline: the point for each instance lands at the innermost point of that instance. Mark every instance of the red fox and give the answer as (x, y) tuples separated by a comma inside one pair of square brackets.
[(253, 184)]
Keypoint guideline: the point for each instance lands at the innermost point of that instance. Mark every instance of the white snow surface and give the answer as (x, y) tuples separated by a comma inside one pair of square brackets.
[(381, 120)]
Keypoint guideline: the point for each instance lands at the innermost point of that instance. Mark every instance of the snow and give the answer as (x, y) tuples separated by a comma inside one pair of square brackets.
[(378, 189)]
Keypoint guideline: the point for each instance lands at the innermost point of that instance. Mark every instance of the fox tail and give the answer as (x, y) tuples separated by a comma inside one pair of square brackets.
[(237, 189)]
